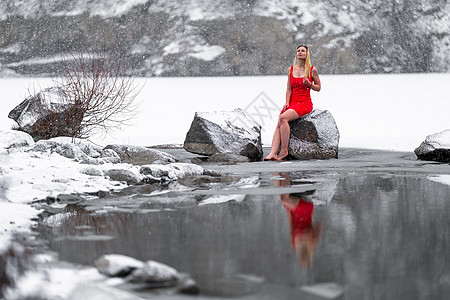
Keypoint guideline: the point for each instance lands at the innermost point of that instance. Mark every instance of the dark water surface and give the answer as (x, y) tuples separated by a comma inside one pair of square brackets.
[(307, 234)]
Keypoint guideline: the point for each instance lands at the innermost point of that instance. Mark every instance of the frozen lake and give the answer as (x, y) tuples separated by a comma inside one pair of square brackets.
[(392, 112)]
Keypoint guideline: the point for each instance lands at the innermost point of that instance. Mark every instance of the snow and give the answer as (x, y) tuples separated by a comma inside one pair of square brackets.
[(48, 175), (222, 199), (444, 179), (207, 53), (51, 282), (14, 218), (439, 140), (230, 121), (105, 8)]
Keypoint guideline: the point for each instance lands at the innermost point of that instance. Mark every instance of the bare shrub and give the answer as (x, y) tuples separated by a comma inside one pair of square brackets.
[(103, 96), (93, 95)]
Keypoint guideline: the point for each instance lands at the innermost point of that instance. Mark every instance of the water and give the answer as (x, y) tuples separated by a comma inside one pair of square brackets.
[(359, 233)]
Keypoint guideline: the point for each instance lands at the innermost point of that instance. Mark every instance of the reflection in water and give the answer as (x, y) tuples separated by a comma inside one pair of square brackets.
[(304, 234), (384, 237)]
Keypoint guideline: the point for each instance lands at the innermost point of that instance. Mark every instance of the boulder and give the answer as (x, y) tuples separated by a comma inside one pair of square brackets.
[(137, 155), (314, 136), (436, 147), (224, 132), (49, 107)]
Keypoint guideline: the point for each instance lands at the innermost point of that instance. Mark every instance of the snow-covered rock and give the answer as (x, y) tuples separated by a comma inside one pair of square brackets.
[(224, 132), (117, 265), (78, 149), (49, 105), (171, 171), (151, 273), (314, 136), (436, 147), (138, 155), (124, 175), (155, 273), (14, 139)]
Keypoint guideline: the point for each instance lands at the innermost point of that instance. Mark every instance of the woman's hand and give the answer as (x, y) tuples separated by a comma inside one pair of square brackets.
[(285, 107), (306, 82)]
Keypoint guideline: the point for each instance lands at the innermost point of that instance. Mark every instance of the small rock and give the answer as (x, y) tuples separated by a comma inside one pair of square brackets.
[(80, 150), (15, 139), (117, 265), (199, 181), (141, 155), (155, 274), (123, 175), (91, 171), (69, 199), (187, 285)]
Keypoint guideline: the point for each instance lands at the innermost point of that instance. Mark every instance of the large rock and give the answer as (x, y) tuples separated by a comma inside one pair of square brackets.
[(314, 136), (436, 147), (224, 132), (47, 114), (137, 155)]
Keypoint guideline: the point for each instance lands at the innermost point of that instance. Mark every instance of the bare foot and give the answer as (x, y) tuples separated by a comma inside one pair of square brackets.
[(282, 156), (270, 157)]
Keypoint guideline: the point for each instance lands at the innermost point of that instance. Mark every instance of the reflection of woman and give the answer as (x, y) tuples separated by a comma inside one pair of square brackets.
[(304, 234), (302, 78)]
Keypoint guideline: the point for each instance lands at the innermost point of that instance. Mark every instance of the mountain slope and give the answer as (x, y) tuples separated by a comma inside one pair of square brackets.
[(227, 37)]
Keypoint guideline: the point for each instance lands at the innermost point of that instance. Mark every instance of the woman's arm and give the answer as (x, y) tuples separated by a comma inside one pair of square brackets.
[(288, 90), (315, 77)]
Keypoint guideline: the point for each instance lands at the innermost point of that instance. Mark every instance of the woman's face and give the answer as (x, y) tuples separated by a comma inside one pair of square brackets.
[(301, 52)]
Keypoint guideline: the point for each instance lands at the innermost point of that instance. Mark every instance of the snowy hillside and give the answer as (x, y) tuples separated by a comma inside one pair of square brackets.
[(227, 37)]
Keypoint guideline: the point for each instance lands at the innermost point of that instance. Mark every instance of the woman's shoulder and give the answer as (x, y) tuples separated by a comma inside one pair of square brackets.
[(289, 70)]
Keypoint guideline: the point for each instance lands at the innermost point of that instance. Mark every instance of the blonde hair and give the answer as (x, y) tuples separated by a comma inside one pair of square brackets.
[(307, 61)]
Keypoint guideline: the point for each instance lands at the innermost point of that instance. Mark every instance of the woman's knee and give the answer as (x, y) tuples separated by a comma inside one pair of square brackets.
[(282, 119)]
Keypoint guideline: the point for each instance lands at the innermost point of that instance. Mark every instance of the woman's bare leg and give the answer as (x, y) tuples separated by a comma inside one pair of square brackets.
[(285, 131), (275, 144)]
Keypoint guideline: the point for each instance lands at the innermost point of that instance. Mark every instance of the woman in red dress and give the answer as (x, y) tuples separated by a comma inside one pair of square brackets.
[(302, 78)]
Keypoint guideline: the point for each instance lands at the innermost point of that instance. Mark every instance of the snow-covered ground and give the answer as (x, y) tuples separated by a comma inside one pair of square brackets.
[(392, 112)]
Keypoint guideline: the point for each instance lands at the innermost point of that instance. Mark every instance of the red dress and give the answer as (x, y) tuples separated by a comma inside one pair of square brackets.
[(301, 97)]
